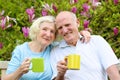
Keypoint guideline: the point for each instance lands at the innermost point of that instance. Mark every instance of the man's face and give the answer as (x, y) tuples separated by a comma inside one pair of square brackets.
[(68, 28)]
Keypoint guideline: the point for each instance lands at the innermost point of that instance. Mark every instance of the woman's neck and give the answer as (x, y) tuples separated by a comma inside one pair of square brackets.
[(36, 47)]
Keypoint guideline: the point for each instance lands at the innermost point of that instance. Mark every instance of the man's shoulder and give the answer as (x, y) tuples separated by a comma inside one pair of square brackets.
[(96, 37)]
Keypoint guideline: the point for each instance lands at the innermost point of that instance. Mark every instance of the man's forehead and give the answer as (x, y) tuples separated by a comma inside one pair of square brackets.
[(63, 18), (60, 19), (63, 15)]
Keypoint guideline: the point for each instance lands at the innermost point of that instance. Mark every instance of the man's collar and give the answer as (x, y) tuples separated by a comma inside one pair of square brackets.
[(63, 43)]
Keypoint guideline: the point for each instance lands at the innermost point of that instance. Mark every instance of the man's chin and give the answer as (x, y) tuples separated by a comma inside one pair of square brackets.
[(68, 40)]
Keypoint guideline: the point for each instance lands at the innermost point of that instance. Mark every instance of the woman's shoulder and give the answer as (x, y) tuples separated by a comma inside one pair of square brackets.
[(23, 45)]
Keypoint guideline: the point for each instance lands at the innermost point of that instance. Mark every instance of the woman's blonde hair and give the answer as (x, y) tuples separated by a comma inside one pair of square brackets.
[(35, 27)]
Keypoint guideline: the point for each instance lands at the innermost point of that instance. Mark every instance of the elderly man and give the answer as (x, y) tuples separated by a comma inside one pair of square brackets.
[(97, 58)]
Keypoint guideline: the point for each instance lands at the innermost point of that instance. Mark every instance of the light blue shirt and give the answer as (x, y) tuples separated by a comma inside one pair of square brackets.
[(23, 51), (96, 56)]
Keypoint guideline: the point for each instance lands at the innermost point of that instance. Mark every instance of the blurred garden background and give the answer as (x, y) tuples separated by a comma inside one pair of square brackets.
[(16, 16)]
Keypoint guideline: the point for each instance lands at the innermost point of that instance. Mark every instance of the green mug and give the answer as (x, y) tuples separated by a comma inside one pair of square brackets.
[(37, 64), (73, 61)]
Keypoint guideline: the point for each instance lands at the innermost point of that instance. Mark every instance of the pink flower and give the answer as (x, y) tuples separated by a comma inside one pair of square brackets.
[(115, 2), (86, 23), (44, 12), (54, 8), (30, 12), (95, 3), (115, 30), (6, 22), (74, 9), (25, 31), (47, 7), (83, 13), (3, 22), (1, 45), (75, 1), (86, 7)]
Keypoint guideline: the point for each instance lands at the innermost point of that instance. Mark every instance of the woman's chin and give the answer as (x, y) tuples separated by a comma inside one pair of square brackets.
[(46, 43)]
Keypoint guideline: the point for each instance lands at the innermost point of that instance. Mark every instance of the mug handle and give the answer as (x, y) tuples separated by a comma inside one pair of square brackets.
[(66, 58)]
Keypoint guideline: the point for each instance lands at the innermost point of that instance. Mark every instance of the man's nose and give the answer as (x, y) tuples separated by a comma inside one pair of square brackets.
[(64, 29)]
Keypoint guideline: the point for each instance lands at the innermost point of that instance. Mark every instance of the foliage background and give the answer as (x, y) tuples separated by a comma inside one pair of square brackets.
[(103, 19)]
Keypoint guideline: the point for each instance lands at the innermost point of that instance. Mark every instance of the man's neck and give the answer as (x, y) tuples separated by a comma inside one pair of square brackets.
[(73, 43)]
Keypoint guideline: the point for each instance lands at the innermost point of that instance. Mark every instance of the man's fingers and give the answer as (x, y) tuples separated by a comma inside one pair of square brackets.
[(61, 66)]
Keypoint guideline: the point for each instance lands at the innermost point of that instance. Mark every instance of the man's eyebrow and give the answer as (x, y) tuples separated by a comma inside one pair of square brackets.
[(66, 24)]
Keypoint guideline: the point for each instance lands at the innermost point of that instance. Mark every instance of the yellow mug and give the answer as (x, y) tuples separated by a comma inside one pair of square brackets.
[(73, 61)]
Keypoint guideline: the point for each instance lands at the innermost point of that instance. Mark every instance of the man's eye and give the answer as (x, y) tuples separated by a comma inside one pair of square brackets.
[(59, 28)]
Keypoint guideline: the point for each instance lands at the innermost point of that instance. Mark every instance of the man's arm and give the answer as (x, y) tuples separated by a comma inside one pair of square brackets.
[(113, 72), (59, 77)]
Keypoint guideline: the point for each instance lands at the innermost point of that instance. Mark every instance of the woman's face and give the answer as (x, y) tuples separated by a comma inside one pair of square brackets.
[(46, 34)]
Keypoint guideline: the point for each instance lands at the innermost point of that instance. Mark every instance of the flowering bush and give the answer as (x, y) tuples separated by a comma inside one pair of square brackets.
[(16, 16)]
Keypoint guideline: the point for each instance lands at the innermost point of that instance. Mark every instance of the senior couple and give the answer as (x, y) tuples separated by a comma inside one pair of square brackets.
[(98, 61)]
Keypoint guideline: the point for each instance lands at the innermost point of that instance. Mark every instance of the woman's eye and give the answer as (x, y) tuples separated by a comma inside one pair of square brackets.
[(44, 29), (53, 31)]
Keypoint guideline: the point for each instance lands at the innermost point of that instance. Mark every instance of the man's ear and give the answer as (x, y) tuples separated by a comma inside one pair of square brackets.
[(78, 22)]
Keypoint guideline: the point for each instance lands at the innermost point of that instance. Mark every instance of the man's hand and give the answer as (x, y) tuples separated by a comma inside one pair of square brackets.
[(62, 68)]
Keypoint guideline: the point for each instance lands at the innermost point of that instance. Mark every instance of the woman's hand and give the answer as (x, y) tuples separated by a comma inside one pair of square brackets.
[(86, 35), (24, 68)]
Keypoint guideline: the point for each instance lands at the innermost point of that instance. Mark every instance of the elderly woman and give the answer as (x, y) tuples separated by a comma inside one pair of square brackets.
[(42, 34)]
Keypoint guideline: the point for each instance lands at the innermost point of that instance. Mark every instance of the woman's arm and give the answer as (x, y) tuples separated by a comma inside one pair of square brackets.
[(86, 35), (24, 68)]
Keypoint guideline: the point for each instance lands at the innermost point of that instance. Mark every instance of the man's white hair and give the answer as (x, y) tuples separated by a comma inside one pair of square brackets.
[(74, 16)]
